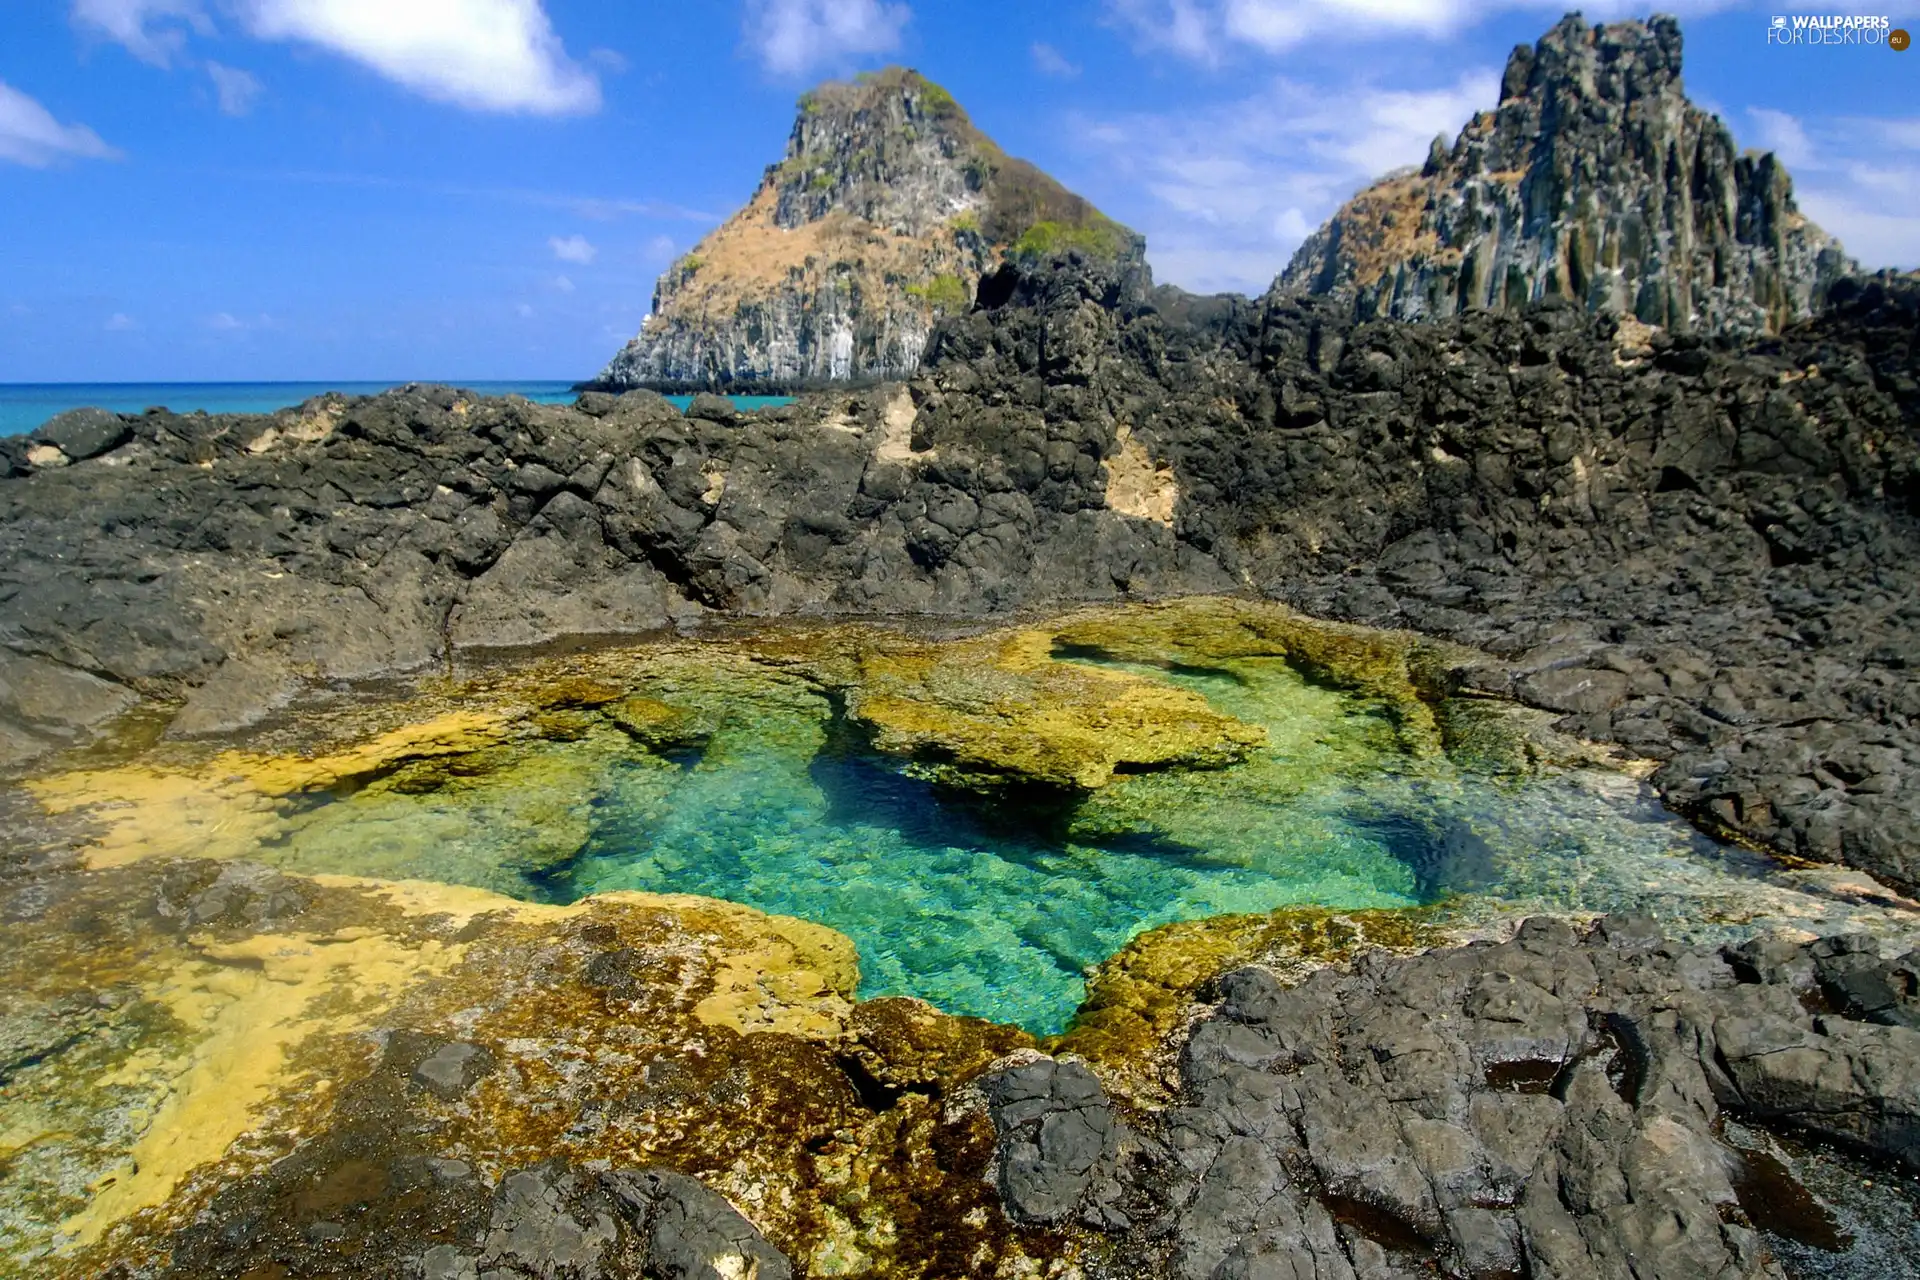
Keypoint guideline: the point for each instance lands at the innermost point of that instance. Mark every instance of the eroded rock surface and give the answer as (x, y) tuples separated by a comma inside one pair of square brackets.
[(1594, 180), (886, 212), (1554, 1105)]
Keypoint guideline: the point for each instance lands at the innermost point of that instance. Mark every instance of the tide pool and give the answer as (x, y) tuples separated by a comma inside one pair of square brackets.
[(742, 769)]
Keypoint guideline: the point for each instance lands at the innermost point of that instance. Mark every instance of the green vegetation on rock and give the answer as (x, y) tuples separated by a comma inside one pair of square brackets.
[(942, 293), (937, 101), (1099, 237)]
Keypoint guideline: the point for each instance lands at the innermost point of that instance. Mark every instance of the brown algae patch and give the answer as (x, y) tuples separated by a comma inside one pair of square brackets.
[(612, 1031), (254, 1033)]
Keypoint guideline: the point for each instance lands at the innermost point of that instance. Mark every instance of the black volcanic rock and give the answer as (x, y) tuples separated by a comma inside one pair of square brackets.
[(1707, 553), (1596, 180), (1554, 1105), (84, 433)]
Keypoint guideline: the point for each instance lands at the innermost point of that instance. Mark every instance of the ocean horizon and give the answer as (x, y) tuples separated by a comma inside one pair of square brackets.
[(25, 405)]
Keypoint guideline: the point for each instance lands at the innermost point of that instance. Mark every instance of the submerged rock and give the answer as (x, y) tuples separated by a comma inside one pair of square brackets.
[(999, 712)]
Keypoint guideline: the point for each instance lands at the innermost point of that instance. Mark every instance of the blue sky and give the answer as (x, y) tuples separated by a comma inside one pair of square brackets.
[(385, 189)]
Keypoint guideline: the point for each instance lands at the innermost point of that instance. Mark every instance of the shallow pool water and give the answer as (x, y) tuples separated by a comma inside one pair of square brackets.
[(775, 795), (997, 909)]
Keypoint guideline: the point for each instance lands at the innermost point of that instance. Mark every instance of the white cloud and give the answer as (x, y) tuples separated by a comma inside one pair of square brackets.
[(1050, 61), (490, 55), (30, 135), (563, 284), (237, 90), (1859, 179), (522, 310), (152, 30), (793, 37), (573, 249), (1783, 135), (120, 322), (227, 322), (487, 55), (1233, 188), (660, 249), (1206, 30)]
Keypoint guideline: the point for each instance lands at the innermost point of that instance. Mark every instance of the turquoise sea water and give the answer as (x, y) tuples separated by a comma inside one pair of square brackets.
[(996, 907), (24, 406)]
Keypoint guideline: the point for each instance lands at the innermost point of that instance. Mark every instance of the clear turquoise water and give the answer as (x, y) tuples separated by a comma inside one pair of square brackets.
[(997, 912), (24, 406), (996, 909), (742, 403)]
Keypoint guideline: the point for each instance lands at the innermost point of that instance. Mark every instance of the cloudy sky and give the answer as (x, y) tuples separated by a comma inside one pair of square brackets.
[(466, 189)]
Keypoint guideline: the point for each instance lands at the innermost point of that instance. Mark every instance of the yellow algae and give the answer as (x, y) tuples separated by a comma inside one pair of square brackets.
[(1384, 665), (228, 806), (800, 979), (797, 976), (460, 904), (454, 733), (250, 1001), (998, 709)]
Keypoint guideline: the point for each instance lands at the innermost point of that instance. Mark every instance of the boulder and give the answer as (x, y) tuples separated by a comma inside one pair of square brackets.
[(84, 433)]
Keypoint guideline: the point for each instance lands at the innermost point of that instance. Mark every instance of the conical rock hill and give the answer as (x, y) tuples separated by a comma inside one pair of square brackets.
[(885, 213)]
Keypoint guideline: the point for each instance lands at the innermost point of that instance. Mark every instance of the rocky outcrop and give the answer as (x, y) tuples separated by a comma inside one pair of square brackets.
[(1560, 1104), (1706, 556), (1594, 180), (885, 213)]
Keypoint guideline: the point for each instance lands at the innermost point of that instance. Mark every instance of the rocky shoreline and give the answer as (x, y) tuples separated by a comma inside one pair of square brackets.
[(1701, 552)]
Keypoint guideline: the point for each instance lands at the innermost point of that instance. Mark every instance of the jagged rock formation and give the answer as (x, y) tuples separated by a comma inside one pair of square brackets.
[(884, 215), (1710, 557), (1596, 180), (1556, 1105)]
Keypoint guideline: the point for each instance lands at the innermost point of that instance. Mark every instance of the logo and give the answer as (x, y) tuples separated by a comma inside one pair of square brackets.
[(1811, 29), (1898, 40)]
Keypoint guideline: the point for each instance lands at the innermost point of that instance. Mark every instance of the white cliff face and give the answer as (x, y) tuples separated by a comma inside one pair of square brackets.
[(883, 216), (1596, 180)]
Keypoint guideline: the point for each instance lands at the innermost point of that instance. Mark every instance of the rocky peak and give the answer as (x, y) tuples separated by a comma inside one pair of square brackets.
[(891, 151), (886, 211), (1594, 179)]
